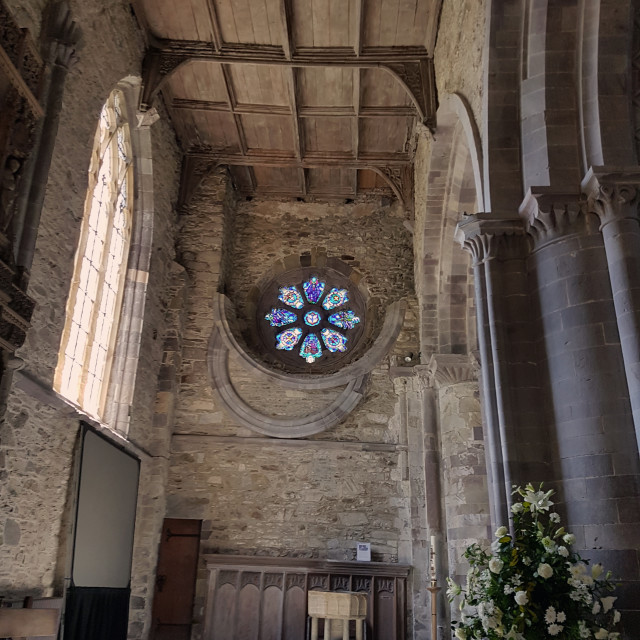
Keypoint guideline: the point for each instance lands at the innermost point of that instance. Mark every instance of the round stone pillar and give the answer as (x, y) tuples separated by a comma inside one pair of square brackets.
[(597, 456)]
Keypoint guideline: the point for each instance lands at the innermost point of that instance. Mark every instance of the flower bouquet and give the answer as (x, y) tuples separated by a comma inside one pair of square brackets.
[(532, 586)]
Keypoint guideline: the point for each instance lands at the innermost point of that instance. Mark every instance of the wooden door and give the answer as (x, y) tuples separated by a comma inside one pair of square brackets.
[(176, 579)]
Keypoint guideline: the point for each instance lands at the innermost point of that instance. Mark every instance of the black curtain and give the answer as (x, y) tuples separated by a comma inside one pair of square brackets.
[(96, 613)]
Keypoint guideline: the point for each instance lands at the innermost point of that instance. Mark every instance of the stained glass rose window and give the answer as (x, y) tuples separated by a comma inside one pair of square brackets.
[(315, 323)]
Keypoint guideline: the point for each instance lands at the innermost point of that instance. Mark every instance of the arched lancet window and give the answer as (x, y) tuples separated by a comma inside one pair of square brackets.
[(95, 296)]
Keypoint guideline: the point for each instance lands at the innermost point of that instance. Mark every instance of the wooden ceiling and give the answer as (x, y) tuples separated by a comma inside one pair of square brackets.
[(301, 98)]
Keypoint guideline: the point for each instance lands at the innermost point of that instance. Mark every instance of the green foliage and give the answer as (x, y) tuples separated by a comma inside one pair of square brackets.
[(532, 586)]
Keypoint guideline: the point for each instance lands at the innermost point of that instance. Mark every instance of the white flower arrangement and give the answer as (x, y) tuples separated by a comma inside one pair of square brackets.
[(532, 586)]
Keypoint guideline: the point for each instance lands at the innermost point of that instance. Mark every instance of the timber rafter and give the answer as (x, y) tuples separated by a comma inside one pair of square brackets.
[(411, 66)]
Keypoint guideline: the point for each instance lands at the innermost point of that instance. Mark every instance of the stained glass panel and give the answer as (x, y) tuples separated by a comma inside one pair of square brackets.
[(313, 289), (333, 340), (280, 317), (291, 297), (335, 298), (312, 318), (311, 349), (288, 339), (344, 319)]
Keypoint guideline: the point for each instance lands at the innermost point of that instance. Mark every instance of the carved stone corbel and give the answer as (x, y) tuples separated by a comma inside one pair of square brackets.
[(447, 369), (549, 215)]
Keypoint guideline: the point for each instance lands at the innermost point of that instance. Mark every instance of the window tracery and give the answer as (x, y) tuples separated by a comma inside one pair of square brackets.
[(95, 296)]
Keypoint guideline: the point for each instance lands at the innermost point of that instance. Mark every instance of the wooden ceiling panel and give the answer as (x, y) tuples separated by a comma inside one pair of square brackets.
[(184, 20), (278, 179), (379, 88), (371, 181), (325, 86), (324, 23), (248, 21), (380, 135), (268, 133), (326, 135), (208, 129), (329, 180), (392, 23), (259, 84), (198, 80)]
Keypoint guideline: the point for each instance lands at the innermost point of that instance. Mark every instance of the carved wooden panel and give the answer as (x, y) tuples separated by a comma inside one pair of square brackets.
[(251, 598)]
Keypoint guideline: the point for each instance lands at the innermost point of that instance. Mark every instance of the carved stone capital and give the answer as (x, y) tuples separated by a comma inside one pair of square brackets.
[(61, 34), (612, 194), (486, 236), (447, 369), (148, 117), (549, 215)]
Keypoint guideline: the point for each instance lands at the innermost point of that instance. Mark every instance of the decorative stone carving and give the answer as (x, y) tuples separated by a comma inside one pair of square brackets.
[(447, 369), (486, 236), (549, 216), (612, 195)]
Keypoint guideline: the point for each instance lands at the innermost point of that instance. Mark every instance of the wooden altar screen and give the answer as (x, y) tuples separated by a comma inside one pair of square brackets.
[(251, 598)]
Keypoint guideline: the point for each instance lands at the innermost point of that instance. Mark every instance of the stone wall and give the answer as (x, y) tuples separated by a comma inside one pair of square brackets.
[(38, 434)]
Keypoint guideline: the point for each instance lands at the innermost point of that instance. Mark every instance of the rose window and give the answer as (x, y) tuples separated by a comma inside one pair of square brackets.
[(315, 321)]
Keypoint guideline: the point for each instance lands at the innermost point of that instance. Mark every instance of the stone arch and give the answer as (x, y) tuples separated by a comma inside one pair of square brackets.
[(454, 184), (125, 359), (608, 83)]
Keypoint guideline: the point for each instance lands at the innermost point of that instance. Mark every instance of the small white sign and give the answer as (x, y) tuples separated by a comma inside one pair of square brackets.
[(364, 552)]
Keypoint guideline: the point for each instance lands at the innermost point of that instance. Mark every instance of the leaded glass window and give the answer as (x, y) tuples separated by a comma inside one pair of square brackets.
[(314, 311), (95, 296)]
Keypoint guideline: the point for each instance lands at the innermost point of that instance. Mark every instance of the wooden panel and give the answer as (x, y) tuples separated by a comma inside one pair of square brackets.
[(383, 134), (184, 20), (381, 89), (248, 21), (28, 622), (224, 613), (271, 622), (248, 626), (241, 177), (325, 86), (198, 80), (340, 182), (328, 134), (278, 178), (263, 132), (259, 84), (216, 129), (283, 587), (389, 23), (324, 23), (370, 180)]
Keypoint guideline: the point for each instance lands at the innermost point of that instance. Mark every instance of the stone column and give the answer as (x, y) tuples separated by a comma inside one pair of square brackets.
[(597, 456), (461, 456), (486, 237), (614, 198), (62, 35)]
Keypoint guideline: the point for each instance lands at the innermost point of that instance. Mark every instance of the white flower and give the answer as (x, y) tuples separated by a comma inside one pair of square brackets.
[(550, 615), (583, 630), (514, 635), (548, 544), (501, 531), (555, 629), (616, 617), (545, 570), (538, 500), (577, 570), (526, 560), (601, 634), (495, 565), (453, 589), (607, 602), (563, 551), (508, 589), (521, 597), (561, 617), (569, 538), (517, 507), (596, 571), (588, 580), (554, 517), (461, 634), (596, 608)]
